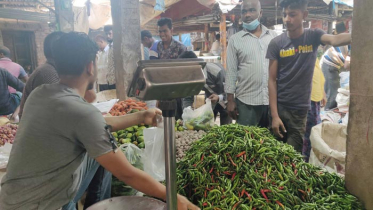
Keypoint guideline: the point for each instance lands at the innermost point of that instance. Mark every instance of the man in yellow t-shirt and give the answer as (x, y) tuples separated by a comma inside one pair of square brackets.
[(318, 99)]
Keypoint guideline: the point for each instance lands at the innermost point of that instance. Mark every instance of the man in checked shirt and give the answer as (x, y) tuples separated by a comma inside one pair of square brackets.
[(247, 70)]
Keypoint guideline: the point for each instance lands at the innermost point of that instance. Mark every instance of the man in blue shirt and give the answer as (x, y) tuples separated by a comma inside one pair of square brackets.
[(148, 41), (9, 102)]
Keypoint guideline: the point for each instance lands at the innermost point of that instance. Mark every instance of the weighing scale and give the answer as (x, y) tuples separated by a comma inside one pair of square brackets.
[(165, 81)]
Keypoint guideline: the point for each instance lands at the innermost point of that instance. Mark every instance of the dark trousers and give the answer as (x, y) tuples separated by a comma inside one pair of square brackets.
[(224, 117), (295, 125), (252, 115), (106, 87), (313, 118)]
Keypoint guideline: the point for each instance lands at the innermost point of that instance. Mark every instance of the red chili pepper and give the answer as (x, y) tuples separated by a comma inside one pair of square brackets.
[(264, 175), (254, 208), (264, 195), (222, 197), (285, 164), (212, 178), (256, 170), (261, 141), (203, 156), (281, 188), (227, 173), (211, 170), (293, 165), (243, 191), (266, 190), (280, 204), (194, 165), (295, 171), (235, 165), (244, 157), (204, 204), (240, 154), (234, 175), (236, 205), (252, 136), (205, 193), (302, 191), (269, 180), (248, 195), (252, 160)]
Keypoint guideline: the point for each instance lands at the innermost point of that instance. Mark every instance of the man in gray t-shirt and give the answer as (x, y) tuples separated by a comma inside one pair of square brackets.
[(292, 58), (50, 154), (49, 162)]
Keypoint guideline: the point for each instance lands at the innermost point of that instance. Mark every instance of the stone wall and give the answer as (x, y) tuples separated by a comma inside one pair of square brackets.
[(41, 30)]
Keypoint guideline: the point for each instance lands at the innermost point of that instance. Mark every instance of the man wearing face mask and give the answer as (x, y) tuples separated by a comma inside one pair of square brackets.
[(247, 72)]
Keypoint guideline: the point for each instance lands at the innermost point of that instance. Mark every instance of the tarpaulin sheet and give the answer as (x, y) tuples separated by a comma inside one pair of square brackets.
[(225, 5), (345, 2)]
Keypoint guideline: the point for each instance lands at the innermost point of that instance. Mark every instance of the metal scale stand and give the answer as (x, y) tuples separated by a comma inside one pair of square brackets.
[(165, 81)]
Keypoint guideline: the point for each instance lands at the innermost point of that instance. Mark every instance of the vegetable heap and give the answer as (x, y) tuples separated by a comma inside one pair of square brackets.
[(127, 107), (184, 140), (7, 133), (134, 135), (238, 167)]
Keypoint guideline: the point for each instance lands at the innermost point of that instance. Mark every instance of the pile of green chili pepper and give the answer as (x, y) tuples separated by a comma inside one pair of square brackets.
[(239, 167)]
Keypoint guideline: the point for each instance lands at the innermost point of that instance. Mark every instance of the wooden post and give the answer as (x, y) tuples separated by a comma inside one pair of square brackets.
[(359, 170), (206, 47), (211, 38), (64, 15), (180, 37), (223, 40), (1, 38), (127, 42)]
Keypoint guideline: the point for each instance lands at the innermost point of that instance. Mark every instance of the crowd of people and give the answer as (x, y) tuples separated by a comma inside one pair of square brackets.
[(64, 146)]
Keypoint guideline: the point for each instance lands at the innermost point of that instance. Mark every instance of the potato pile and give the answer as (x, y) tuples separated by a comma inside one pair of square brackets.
[(183, 141), (7, 133)]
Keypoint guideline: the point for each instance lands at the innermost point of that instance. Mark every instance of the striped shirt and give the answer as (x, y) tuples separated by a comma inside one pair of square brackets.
[(247, 66), (335, 56)]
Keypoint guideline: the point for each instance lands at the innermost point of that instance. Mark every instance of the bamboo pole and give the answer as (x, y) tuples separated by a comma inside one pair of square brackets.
[(223, 40)]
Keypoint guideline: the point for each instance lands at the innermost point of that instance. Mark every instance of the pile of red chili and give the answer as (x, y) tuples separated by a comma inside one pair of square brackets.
[(238, 167)]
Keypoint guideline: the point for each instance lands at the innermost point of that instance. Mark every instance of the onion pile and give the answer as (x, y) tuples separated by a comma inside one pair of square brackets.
[(7, 133), (184, 139)]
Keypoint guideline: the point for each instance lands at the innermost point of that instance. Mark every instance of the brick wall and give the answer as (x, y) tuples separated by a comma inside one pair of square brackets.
[(41, 30)]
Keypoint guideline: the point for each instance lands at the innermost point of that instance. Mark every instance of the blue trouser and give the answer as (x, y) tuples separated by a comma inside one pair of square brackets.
[(332, 84), (313, 118), (97, 183)]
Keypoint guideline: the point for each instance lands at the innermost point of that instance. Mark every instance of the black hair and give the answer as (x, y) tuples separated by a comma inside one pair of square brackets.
[(72, 52), (217, 36), (48, 43), (100, 38), (188, 54), (4, 50), (165, 21), (146, 33), (108, 28), (294, 4)]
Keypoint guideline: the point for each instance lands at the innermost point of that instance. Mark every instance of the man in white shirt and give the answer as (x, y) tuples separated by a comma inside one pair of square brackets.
[(215, 48), (102, 62)]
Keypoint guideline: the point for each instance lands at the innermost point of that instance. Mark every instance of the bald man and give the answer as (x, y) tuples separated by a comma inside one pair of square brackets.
[(247, 72)]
